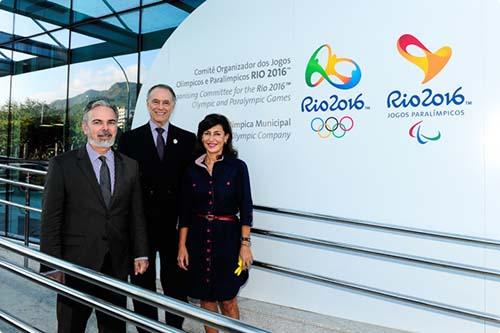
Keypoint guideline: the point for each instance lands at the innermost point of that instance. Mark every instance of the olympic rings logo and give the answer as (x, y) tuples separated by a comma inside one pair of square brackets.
[(332, 126)]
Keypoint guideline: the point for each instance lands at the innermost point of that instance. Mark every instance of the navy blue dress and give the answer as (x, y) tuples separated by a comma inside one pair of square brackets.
[(214, 246)]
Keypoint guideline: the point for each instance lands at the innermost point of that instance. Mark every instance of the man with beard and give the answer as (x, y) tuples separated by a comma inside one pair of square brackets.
[(93, 216)]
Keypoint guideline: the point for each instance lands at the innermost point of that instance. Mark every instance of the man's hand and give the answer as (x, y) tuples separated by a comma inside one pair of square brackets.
[(140, 266), (56, 275)]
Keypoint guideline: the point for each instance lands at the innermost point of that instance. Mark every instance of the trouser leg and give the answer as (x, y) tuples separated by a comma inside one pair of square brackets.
[(107, 323), (173, 281), (72, 316), (147, 281)]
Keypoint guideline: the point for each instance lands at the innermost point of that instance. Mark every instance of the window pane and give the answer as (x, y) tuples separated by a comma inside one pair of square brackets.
[(4, 118), (5, 62), (158, 23), (4, 113), (161, 17), (6, 19), (51, 14), (38, 113), (39, 54), (112, 78), (114, 36), (147, 59), (87, 9)]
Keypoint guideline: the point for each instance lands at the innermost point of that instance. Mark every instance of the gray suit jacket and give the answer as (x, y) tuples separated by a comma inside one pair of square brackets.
[(76, 224)]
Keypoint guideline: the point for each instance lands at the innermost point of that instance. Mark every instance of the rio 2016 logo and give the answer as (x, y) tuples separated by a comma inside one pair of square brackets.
[(341, 73), (329, 70)]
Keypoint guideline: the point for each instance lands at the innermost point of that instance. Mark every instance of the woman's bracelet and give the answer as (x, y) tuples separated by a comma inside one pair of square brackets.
[(245, 241)]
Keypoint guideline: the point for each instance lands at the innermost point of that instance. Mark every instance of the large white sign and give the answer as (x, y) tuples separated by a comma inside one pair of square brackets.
[(371, 110)]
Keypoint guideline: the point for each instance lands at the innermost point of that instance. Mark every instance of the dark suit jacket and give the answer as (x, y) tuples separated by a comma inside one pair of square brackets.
[(76, 224), (160, 180)]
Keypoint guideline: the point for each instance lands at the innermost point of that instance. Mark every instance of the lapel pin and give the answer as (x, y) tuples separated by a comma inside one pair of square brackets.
[(175, 141)]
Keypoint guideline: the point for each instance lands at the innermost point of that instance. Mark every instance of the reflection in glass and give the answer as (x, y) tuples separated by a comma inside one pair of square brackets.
[(35, 121), (158, 23), (38, 114), (87, 9), (51, 14), (111, 37), (4, 114), (147, 59), (37, 134), (6, 19), (113, 79), (34, 55)]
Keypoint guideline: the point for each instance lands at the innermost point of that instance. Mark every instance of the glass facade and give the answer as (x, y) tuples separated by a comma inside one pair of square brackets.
[(57, 55)]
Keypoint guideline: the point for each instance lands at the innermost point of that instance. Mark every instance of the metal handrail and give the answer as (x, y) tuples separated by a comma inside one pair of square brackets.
[(379, 253), (17, 323), (33, 171), (489, 317), (336, 219), (15, 204), (393, 255), (380, 226), (89, 300), (21, 184), (146, 296)]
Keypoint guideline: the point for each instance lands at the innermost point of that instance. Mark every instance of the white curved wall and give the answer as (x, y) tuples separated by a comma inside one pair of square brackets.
[(378, 171)]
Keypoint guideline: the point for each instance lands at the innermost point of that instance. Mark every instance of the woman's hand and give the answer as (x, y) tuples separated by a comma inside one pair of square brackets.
[(183, 258), (246, 256)]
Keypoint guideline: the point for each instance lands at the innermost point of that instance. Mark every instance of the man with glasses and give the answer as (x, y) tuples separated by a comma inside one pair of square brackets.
[(162, 151)]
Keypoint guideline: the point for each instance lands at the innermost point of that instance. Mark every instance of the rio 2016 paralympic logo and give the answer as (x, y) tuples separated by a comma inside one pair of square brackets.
[(431, 63)]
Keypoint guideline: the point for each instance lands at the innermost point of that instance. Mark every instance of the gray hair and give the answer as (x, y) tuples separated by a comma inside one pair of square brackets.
[(163, 86), (96, 103)]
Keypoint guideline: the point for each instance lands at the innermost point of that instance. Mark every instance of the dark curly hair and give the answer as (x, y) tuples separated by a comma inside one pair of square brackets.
[(210, 121)]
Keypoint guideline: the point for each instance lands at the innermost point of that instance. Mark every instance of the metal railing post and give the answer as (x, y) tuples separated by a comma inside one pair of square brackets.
[(27, 201)]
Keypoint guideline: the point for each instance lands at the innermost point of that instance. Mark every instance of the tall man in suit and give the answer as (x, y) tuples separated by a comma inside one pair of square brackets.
[(163, 151), (93, 216)]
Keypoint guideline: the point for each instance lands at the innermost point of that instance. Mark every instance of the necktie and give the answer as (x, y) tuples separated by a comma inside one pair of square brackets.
[(160, 144), (105, 181)]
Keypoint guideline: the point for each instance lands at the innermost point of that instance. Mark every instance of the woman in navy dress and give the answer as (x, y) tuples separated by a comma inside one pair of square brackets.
[(215, 220)]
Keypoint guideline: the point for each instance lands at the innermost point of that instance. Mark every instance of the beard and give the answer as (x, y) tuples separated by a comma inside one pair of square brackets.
[(102, 143)]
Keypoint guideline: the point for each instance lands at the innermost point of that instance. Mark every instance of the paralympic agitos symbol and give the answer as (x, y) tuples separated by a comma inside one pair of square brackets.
[(330, 70), (421, 138)]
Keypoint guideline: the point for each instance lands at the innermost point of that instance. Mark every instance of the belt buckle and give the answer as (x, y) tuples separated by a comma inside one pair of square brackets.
[(210, 217)]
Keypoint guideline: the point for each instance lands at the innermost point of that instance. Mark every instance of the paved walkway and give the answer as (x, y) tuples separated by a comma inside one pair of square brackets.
[(35, 305)]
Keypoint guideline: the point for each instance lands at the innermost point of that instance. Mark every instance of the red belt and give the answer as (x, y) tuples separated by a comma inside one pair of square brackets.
[(211, 217)]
